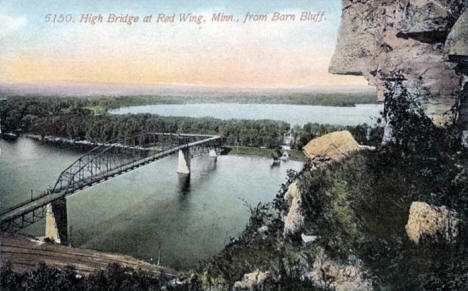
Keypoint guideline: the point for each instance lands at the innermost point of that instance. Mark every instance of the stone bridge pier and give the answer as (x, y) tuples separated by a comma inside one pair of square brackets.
[(56, 228), (185, 156), (213, 153), (183, 165)]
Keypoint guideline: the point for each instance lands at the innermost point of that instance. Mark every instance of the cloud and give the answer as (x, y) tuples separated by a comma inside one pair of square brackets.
[(9, 24)]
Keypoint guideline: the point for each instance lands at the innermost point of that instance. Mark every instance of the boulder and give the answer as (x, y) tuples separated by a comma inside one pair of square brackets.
[(430, 221), (292, 193), (294, 220), (330, 274), (252, 281), (336, 145)]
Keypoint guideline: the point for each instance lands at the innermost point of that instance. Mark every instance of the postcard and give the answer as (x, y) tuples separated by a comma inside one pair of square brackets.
[(233, 145)]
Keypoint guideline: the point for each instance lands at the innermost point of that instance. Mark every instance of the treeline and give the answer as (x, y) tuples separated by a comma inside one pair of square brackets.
[(323, 99), (258, 133), (20, 113)]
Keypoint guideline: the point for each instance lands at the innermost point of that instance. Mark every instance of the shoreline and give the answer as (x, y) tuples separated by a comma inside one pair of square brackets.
[(295, 155)]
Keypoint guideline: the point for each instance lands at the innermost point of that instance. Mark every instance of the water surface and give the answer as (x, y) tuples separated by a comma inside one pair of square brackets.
[(150, 212), (293, 114)]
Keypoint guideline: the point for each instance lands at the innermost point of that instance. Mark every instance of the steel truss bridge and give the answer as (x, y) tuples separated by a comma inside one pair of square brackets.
[(105, 161)]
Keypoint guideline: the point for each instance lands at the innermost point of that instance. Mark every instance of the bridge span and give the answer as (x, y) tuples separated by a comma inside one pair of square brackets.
[(105, 161)]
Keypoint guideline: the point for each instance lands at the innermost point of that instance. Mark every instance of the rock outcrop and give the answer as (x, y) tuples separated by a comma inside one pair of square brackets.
[(252, 281), (431, 221), (330, 274), (294, 220), (424, 40), (321, 151), (456, 45), (336, 145)]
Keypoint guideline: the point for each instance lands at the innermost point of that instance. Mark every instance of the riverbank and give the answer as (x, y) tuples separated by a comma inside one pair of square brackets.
[(294, 155), (62, 140)]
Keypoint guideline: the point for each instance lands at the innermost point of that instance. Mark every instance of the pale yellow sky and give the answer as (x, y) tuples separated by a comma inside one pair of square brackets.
[(171, 70)]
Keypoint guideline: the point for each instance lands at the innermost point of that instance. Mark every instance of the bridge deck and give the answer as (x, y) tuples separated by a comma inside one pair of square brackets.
[(30, 206), (116, 145)]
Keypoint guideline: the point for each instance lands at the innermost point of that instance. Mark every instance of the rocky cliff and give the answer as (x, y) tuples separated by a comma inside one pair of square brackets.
[(424, 40), (389, 219)]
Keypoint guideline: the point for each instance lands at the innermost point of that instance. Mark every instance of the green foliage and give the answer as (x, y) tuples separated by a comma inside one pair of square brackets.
[(360, 206), (363, 133), (104, 128), (254, 250), (8, 278), (115, 277), (20, 113)]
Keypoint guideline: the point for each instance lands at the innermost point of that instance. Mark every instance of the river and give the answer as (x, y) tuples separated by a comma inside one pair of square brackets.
[(293, 114), (150, 212)]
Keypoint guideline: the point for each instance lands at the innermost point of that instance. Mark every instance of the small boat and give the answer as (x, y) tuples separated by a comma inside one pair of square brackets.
[(285, 156)]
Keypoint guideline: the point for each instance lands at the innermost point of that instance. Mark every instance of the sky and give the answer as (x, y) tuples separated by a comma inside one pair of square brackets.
[(219, 54)]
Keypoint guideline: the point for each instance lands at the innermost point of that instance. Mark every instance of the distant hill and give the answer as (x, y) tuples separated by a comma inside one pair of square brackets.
[(75, 89)]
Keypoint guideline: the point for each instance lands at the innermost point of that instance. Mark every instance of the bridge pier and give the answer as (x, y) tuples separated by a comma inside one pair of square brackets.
[(213, 154), (183, 166), (56, 227)]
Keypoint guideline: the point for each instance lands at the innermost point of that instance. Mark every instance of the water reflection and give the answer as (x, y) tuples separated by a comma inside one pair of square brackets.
[(184, 185)]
